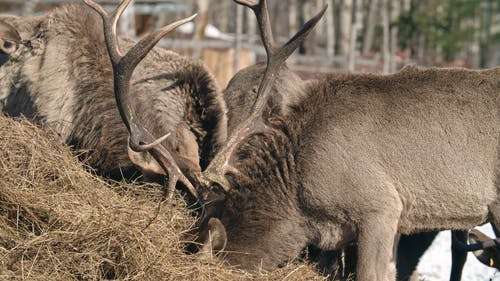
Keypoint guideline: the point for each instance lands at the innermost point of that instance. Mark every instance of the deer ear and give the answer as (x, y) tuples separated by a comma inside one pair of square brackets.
[(488, 256), (214, 237), (9, 38), (147, 164)]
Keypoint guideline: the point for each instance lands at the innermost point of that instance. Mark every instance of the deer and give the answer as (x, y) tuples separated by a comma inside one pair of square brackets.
[(411, 247), (56, 71), (359, 158)]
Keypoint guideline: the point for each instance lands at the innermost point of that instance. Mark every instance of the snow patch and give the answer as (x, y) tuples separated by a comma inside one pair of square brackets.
[(435, 264)]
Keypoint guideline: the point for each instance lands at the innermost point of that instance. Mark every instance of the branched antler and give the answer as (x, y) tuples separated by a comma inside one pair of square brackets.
[(123, 67), (276, 57)]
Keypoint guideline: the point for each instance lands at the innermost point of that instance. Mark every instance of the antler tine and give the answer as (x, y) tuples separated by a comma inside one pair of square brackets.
[(221, 164), (174, 173), (262, 15), (277, 58), (146, 147), (301, 35), (110, 22), (141, 49), (123, 67)]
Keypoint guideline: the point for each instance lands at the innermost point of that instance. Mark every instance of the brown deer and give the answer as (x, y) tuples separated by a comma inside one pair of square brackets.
[(56, 70), (352, 157)]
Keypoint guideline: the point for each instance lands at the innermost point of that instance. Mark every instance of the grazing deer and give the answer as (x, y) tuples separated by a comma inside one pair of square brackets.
[(352, 157), (56, 70)]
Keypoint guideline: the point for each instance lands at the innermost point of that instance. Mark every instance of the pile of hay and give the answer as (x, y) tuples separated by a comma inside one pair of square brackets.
[(59, 222)]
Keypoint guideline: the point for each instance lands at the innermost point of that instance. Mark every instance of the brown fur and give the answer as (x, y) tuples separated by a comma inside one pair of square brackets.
[(65, 80), (361, 158)]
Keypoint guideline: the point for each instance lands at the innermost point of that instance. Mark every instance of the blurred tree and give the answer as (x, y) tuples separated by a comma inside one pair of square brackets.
[(370, 26), (395, 13), (453, 29), (345, 26), (251, 26), (29, 7), (386, 53), (330, 29), (355, 28), (237, 41), (202, 19)]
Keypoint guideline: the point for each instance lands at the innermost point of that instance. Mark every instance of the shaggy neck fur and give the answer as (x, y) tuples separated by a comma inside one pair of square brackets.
[(263, 203)]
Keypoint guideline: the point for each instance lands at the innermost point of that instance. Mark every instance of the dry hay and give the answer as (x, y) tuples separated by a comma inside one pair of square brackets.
[(59, 222)]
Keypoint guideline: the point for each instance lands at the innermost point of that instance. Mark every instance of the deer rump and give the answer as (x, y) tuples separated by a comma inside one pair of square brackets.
[(63, 78)]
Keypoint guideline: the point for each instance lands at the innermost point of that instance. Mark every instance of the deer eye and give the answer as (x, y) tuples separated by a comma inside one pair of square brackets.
[(8, 46)]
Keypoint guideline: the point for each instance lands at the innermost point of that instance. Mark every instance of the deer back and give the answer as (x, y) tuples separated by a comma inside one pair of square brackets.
[(402, 129)]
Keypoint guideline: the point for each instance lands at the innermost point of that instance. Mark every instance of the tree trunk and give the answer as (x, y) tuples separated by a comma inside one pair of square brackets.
[(355, 27), (406, 5), (317, 37), (330, 30), (370, 26), (222, 15), (237, 41), (202, 19), (395, 13), (314, 38), (292, 17), (345, 26), (29, 7), (199, 31), (476, 45), (487, 16), (301, 21), (385, 42), (251, 26), (421, 47), (126, 25), (492, 58)]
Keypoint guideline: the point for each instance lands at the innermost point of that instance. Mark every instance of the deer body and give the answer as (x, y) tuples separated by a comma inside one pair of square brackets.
[(394, 139), (64, 79), (418, 155), (239, 105), (365, 157)]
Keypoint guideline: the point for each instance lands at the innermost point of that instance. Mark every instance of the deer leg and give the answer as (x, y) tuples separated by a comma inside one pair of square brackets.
[(377, 234), (350, 260), (458, 256), (494, 213), (410, 250)]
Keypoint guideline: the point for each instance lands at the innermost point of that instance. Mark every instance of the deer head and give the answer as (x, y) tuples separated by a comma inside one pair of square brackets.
[(9, 38), (9, 41)]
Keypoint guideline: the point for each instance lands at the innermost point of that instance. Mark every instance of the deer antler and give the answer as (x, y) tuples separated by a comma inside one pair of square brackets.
[(123, 67), (276, 57)]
